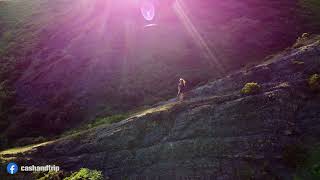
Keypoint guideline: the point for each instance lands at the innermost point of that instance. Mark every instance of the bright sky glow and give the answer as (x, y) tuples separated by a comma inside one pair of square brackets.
[(148, 10)]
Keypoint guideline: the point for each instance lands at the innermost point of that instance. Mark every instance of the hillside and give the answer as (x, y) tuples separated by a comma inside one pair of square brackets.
[(218, 132), (67, 62)]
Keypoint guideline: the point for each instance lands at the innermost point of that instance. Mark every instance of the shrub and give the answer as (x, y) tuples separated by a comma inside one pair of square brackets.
[(314, 82), (51, 175), (301, 41), (305, 35), (85, 174), (82, 174), (251, 88)]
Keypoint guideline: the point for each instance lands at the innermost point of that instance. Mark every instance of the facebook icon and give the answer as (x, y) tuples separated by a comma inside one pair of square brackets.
[(12, 168)]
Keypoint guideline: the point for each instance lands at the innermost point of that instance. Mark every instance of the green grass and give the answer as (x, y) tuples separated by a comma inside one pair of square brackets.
[(51, 175), (108, 120), (251, 88), (85, 174), (19, 150), (117, 118), (98, 122), (82, 174), (155, 109), (314, 82)]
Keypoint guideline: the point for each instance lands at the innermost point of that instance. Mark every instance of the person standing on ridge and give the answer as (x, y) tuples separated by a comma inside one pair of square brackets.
[(181, 89)]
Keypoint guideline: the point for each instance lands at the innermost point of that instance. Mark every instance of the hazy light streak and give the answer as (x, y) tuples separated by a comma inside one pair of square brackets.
[(147, 10), (150, 25), (213, 60)]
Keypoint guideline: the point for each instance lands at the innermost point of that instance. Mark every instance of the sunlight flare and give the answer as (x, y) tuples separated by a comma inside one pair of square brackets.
[(179, 8), (148, 10)]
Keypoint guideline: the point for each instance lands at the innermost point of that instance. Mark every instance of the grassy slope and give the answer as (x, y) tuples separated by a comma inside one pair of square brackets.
[(10, 154)]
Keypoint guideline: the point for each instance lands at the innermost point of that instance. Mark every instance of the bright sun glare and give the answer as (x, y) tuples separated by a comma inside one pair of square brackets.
[(147, 10)]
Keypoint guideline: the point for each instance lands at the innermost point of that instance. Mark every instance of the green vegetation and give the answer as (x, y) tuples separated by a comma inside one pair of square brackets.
[(302, 40), (82, 174), (25, 141), (117, 118), (85, 174), (314, 82), (108, 120), (99, 121), (51, 175), (311, 167), (18, 150), (251, 88)]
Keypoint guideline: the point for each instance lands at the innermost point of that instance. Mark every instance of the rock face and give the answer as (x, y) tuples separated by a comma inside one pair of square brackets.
[(217, 133), (79, 58)]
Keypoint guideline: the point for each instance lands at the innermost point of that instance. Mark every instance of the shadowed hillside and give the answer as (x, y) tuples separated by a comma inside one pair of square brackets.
[(65, 61), (227, 129)]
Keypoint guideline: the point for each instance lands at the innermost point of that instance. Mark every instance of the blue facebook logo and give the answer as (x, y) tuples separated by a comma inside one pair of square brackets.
[(12, 168)]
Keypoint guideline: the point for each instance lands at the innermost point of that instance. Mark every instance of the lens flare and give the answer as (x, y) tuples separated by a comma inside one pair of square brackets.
[(147, 10), (209, 52)]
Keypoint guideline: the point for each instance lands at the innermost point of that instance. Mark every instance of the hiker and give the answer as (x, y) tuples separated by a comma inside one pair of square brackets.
[(181, 89)]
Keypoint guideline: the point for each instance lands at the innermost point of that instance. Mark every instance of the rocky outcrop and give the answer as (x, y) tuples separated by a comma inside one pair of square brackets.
[(217, 133)]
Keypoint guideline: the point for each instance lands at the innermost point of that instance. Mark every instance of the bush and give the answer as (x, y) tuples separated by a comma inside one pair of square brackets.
[(51, 175), (301, 41), (82, 174), (251, 88), (305, 35), (85, 174), (314, 82)]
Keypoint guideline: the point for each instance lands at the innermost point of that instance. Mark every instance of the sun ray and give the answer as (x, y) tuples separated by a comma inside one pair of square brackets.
[(213, 60)]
